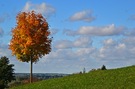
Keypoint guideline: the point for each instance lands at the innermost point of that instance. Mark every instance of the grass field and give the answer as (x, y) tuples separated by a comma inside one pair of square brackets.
[(122, 78)]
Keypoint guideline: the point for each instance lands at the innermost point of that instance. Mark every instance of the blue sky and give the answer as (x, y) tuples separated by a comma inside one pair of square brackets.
[(86, 34)]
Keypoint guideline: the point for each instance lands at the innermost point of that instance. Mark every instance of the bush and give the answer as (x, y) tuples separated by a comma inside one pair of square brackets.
[(103, 67)]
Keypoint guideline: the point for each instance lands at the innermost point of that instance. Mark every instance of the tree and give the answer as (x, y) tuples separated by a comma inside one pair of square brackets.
[(30, 38), (6, 72), (103, 67)]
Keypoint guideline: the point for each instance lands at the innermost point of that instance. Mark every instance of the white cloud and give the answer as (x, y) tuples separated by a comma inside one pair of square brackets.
[(63, 44), (109, 42), (77, 43), (85, 52), (43, 8), (108, 30), (129, 32), (120, 50), (85, 15), (121, 46), (82, 42), (129, 41), (112, 51), (100, 31)]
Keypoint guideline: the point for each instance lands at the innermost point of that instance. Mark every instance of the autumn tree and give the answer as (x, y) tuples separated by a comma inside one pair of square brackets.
[(30, 38)]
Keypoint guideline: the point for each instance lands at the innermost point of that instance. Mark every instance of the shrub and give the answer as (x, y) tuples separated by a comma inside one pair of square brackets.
[(103, 67)]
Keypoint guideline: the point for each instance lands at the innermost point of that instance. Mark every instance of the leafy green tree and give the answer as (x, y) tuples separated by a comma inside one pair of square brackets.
[(6, 72)]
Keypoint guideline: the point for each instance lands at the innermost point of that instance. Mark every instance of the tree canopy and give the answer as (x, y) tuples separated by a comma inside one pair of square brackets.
[(30, 37)]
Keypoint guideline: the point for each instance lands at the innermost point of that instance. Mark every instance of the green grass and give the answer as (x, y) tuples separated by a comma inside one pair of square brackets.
[(122, 78)]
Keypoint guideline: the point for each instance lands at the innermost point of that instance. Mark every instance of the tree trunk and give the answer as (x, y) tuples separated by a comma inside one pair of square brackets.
[(31, 76)]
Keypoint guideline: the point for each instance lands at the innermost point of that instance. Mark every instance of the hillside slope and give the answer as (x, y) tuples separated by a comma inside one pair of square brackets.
[(122, 78)]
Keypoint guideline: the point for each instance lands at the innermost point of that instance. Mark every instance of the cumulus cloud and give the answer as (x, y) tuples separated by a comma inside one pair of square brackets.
[(108, 30), (109, 42), (43, 8), (62, 54), (79, 53), (81, 42), (68, 59), (129, 32), (85, 15), (74, 55), (112, 50), (129, 41), (100, 31), (122, 50), (114, 53), (63, 44)]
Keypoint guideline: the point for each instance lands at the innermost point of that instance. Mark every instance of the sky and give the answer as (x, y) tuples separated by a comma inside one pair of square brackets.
[(86, 34)]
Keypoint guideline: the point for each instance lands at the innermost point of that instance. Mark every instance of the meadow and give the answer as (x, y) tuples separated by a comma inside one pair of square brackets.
[(121, 78)]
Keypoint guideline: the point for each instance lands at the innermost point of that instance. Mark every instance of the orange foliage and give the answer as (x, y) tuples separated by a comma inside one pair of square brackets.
[(30, 37)]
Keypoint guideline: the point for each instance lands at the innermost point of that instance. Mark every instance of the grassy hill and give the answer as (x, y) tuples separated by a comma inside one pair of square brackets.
[(122, 78)]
